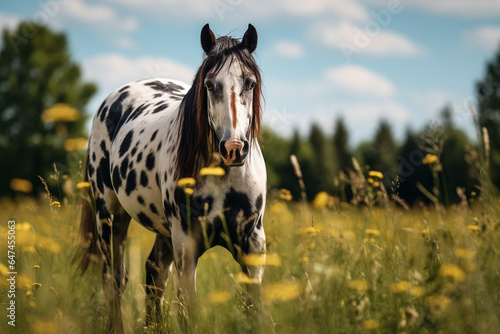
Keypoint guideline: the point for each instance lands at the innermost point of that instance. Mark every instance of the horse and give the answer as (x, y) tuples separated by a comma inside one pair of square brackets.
[(151, 136)]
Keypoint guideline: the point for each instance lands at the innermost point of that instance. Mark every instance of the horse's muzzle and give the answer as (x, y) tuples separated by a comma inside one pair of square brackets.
[(234, 151)]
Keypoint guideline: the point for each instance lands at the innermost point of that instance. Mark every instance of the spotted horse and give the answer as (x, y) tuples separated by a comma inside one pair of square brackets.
[(148, 135)]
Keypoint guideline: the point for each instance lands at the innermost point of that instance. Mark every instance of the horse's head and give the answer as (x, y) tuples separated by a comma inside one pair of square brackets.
[(231, 87)]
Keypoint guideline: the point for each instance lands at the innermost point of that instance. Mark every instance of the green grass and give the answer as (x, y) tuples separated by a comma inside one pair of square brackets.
[(335, 268)]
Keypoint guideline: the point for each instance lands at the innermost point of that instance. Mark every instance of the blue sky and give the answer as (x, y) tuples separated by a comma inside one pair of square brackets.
[(364, 60)]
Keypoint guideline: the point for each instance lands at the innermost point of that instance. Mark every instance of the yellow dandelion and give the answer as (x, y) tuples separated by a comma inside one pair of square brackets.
[(370, 180), (417, 291), (31, 304), (218, 297), (261, 260), (285, 194), (358, 285), (186, 182), (369, 240), (452, 272), (400, 287), (370, 324), (245, 279), (437, 302), (23, 282), (321, 200), (188, 191), (281, 291), (82, 185), (215, 171), (303, 259), (311, 230), (430, 159), (36, 267), (21, 185), (75, 144), (376, 174), (60, 112), (473, 194), (57, 204), (3, 269), (464, 253), (29, 293), (36, 285), (372, 231), (473, 228), (376, 184)]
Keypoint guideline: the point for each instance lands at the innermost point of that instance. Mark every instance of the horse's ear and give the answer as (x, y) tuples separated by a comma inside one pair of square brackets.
[(250, 39), (208, 39)]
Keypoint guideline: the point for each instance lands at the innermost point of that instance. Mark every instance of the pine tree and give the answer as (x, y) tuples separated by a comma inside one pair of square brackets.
[(340, 144)]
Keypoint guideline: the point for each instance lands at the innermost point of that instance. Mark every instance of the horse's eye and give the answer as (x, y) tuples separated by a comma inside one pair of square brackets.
[(250, 84), (209, 85)]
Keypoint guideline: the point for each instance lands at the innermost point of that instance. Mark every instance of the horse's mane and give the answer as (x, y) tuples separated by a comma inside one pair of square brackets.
[(197, 140)]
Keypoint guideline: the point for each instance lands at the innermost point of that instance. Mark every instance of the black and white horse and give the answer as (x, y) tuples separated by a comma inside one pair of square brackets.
[(149, 134)]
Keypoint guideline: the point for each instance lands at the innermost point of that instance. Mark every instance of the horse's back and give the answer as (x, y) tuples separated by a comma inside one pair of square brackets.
[(128, 131)]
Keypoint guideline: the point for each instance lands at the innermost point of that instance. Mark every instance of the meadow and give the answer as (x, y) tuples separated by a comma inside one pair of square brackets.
[(370, 266)]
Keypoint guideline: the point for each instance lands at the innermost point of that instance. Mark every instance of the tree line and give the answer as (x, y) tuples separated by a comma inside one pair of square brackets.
[(40, 85)]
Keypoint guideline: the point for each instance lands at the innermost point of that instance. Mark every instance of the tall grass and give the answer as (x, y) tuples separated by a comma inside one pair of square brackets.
[(371, 265)]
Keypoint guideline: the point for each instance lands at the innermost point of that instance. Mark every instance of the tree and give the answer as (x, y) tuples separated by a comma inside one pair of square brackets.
[(380, 155), (488, 96), (319, 176), (340, 144), (36, 72)]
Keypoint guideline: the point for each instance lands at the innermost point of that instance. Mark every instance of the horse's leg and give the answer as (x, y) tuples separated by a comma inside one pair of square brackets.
[(158, 268), (112, 230)]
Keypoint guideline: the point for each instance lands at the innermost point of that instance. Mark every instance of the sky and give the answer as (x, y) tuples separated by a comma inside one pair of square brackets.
[(363, 60)]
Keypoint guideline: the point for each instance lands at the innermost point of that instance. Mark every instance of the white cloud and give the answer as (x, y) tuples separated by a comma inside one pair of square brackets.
[(487, 37), (241, 10), (288, 49), (463, 8), (100, 16), (359, 80), (8, 21), (370, 39), (110, 71)]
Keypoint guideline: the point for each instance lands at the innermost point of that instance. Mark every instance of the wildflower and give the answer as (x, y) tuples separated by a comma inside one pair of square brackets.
[(285, 195), (464, 253), (245, 279), (370, 180), (215, 171), (21, 185), (218, 297), (186, 182), (369, 240), (417, 291), (400, 287), (376, 174), (473, 228), (3, 269), (36, 285), (370, 324), (36, 267), (282, 291), (452, 272), (57, 204), (60, 112), (261, 260), (429, 159), (358, 285), (303, 259), (309, 230), (437, 302), (75, 144), (376, 184), (82, 185), (188, 191), (372, 231), (321, 200)]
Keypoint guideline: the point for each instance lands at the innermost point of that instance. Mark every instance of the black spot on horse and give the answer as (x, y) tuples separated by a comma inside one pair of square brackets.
[(165, 178), (127, 141), (150, 161), (103, 175), (117, 180), (157, 95), (131, 182), (144, 179), (157, 179), (144, 219), (91, 170), (102, 145), (153, 209), (101, 208), (102, 113), (258, 203), (259, 223), (169, 208), (123, 167), (159, 146), (160, 108), (139, 157), (133, 152), (140, 200), (123, 88), (169, 87), (94, 157), (154, 135), (115, 114)]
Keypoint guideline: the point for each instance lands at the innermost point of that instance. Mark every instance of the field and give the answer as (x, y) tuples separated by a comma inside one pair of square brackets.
[(332, 267)]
